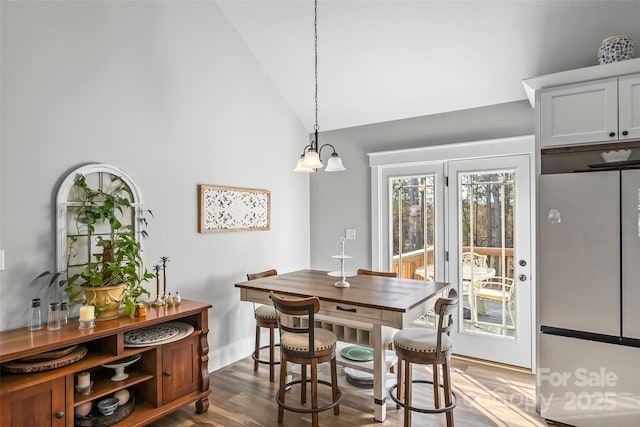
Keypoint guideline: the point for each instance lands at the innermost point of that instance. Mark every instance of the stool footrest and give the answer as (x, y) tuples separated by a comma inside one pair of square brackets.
[(308, 410), (266, 362), (431, 410)]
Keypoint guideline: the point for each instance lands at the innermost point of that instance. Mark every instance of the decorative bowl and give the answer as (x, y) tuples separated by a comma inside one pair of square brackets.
[(616, 156), (108, 406)]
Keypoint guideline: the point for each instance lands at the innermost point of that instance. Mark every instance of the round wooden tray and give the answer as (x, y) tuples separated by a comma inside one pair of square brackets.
[(18, 367), (95, 418), (49, 355)]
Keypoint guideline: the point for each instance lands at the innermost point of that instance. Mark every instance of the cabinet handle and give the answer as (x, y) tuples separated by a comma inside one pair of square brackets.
[(167, 373), (625, 132), (612, 134), (350, 310), (59, 415)]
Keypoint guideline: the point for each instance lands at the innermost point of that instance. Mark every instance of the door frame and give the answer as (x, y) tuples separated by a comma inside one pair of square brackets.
[(391, 163)]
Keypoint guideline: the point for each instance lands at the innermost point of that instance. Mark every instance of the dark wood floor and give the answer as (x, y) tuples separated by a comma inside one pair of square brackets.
[(489, 395)]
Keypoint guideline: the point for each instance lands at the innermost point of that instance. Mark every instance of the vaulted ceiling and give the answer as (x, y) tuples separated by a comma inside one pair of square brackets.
[(387, 60)]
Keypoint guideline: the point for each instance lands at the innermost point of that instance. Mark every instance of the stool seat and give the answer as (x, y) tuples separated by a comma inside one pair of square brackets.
[(323, 340), (266, 313), (421, 340)]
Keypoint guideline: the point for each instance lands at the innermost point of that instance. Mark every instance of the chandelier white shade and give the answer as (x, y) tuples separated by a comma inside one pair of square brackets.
[(310, 160)]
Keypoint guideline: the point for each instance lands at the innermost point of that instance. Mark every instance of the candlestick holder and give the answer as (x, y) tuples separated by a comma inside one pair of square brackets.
[(158, 302)]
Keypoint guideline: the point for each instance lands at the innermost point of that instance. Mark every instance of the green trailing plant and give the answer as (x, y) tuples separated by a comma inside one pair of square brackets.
[(121, 258)]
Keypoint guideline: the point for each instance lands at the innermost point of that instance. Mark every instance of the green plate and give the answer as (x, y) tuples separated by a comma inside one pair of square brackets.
[(357, 353)]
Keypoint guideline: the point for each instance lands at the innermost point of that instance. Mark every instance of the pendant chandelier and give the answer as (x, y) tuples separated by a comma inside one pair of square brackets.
[(310, 161)]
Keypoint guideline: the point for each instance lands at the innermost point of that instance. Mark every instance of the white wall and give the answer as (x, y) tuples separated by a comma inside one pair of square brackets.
[(169, 93), (343, 200)]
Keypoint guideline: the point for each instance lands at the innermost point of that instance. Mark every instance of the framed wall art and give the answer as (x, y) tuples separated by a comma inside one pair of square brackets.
[(233, 209)]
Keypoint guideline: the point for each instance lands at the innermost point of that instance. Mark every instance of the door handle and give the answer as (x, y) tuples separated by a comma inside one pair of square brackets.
[(522, 278)]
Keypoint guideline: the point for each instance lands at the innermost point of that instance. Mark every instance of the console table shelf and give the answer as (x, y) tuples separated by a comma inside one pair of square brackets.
[(168, 376)]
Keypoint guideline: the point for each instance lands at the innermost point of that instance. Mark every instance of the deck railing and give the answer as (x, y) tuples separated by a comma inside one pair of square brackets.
[(414, 259)]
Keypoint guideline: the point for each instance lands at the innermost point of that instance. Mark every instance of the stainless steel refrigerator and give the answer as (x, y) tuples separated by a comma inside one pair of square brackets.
[(588, 370)]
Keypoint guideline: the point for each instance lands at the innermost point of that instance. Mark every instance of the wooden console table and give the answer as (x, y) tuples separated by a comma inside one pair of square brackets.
[(167, 376)]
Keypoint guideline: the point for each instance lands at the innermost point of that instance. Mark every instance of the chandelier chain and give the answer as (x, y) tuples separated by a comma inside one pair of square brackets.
[(315, 28)]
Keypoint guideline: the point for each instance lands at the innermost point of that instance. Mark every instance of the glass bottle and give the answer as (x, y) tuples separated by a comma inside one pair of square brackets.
[(54, 316), (34, 322), (177, 299), (64, 314)]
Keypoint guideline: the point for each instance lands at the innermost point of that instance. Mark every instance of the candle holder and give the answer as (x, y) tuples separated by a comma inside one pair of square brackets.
[(87, 324), (84, 391), (158, 302), (85, 385)]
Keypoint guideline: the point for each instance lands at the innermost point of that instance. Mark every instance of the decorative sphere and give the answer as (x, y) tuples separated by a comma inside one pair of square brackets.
[(122, 396), (83, 409)]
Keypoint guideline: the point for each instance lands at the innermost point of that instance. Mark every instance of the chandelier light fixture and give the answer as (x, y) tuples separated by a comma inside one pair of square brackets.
[(310, 161)]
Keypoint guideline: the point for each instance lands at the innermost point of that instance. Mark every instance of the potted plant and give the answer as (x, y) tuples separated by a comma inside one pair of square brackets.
[(114, 276)]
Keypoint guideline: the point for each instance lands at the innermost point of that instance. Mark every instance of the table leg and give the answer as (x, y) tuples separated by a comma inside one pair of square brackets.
[(379, 374)]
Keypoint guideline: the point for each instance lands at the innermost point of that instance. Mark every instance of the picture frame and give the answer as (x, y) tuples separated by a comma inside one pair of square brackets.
[(223, 209)]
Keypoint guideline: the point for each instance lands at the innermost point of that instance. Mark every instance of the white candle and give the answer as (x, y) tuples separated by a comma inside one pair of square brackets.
[(87, 313), (84, 380)]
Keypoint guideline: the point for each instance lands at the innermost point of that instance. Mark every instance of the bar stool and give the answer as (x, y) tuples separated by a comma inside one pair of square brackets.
[(363, 272), (265, 318), (304, 344), (426, 346)]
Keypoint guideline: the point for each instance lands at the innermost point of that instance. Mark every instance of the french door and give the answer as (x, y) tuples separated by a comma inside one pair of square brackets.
[(467, 222), (489, 248)]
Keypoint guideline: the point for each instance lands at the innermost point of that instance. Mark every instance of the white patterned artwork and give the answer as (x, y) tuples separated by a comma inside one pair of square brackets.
[(233, 209)]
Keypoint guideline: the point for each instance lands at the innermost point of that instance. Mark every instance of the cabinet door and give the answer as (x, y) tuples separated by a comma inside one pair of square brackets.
[(179, 369), (629, 109), (579, 252), (39, 406), (630, 253), (580, 113)]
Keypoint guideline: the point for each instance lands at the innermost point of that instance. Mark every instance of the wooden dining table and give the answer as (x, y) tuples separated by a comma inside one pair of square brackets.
[(363, 313)]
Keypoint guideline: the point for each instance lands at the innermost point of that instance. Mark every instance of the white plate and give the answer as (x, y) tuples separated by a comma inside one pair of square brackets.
[(358, 375)]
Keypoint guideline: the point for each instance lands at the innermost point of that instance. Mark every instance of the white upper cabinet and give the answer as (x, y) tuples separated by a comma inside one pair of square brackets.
[(629, 106), (604, 110), (579, 113)]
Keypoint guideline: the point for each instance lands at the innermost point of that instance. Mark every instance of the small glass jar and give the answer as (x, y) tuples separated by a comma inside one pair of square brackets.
[(34, 322), (54, 316), (177, 299), (64, 314)]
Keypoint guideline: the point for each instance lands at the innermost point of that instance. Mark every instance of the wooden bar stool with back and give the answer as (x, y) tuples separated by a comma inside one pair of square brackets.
[(265, 318), (427, 346), (304, 344)]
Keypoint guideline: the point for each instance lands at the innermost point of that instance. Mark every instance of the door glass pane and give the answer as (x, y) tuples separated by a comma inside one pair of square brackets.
[(486, 202), (413, 226)]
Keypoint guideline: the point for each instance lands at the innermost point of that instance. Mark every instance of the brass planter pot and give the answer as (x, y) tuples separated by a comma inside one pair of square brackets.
[(106, 299)]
